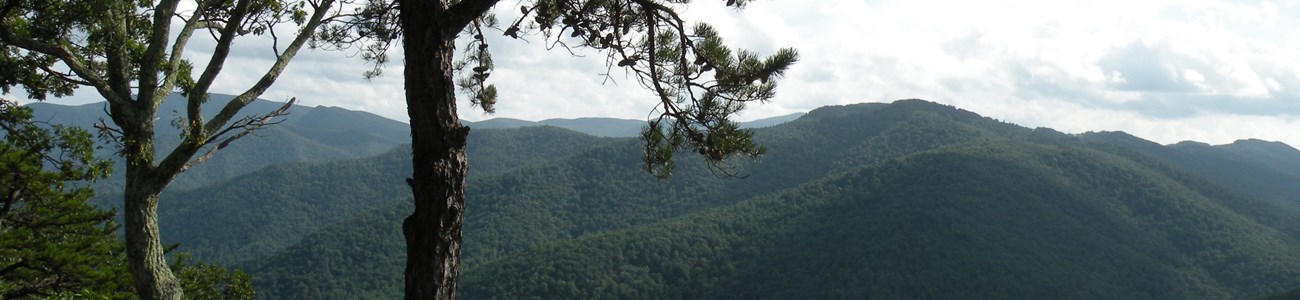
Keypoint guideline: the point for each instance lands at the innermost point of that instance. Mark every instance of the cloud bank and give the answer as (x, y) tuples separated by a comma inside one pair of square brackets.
[(1206, 70)]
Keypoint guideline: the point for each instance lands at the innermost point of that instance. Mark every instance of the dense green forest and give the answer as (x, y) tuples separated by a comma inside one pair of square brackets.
[(1267, 170), (997, 220), (269, 209), (904, 200)]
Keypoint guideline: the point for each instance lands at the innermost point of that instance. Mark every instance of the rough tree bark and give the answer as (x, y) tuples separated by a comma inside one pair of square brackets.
[(146, 259), (433, 230), (153, 278)]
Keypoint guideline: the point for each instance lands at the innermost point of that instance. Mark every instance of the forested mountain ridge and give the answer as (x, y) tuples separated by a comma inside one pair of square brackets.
[(306, 135), (985, 220), (592, 224), (607, 127), (907, 199), (1268, 170), (261, 212)]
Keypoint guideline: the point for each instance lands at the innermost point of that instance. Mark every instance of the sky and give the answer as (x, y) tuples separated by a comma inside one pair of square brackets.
[(1168, 71)]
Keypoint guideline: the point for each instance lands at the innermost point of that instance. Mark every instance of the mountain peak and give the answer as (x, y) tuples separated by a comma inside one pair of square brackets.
[(1273, 145)]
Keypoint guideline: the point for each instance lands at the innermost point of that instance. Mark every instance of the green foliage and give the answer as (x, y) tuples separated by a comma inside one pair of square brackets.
[(1288, 295), (904, 200), (305, 197), (698, 83), (128, 52), (1253, 168), (52, 243), (209, 282), (995, 220), (358, 258)]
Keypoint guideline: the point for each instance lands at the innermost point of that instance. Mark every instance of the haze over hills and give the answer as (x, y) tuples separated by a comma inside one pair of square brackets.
[(310, 134), (1267, 170), (264, 211), (607, 127), (904, 200), (307, 134), (979, 194)]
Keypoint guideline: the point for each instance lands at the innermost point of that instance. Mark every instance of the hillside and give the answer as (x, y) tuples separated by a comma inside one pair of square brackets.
[(607, 127), (772, 121), (593, 224), (306, 135), (1267, 170), (257, 213), (995, 220)]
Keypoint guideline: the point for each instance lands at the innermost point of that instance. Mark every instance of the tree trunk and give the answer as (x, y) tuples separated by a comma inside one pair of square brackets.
[(152, 277), (433, 230), (150, 274), (144, 254)]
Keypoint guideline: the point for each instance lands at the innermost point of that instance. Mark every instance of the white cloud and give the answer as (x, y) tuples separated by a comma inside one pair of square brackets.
[(1166, 70)]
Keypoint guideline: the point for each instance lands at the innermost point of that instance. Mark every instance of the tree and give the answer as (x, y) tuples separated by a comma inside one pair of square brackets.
[(53, 243), (699, 84), (128, 53)]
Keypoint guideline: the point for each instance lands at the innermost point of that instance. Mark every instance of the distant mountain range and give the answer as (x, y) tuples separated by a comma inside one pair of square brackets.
[(910, 199), (608, 127), (310, 134), (307, 134)]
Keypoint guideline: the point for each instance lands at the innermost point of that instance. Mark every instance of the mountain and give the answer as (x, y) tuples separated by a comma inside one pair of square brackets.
[(769, 122), (601, 127), (1276, 155), (257, 213), (500, 123), (1266, 170), (1004, 220), (905, 200), (607, 127), (307, 134)]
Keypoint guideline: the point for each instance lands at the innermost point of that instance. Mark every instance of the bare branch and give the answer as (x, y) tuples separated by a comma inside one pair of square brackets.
[(271, 74), (244, 127), (64, 76), (179, 158), (110, 135)]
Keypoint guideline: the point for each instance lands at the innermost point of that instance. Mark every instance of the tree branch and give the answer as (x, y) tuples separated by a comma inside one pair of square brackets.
[(15, 266), (177, 160), (218, 60), (153, 55), (11, 198), (245, 127), (178, 48), (464, 12), (64, 76), (73, 62), (271, 74), (119, 64)]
